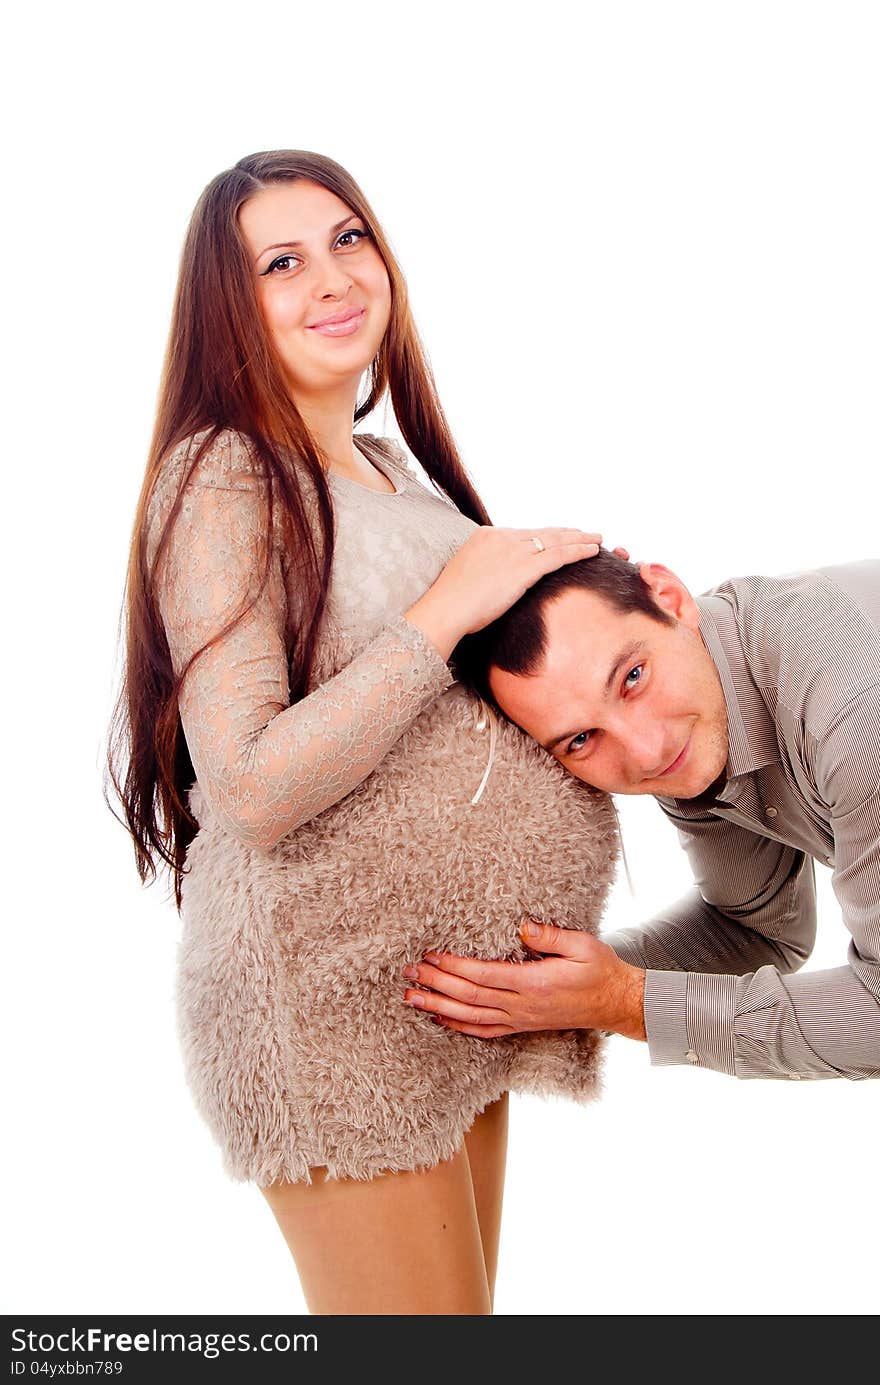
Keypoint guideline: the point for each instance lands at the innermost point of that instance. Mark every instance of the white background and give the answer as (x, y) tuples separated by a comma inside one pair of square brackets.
[(641, 241)]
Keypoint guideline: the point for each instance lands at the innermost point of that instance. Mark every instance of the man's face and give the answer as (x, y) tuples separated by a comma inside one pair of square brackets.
[(624, 702)]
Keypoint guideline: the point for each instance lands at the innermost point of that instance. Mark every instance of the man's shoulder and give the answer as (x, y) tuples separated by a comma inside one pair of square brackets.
[(796, 606), (860, 578), (811, 639)]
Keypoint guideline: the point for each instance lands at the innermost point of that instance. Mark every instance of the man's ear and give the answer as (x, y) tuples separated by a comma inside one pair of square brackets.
[(670, 594)]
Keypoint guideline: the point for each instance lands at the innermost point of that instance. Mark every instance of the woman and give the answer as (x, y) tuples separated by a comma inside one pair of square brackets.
[(290, 741)]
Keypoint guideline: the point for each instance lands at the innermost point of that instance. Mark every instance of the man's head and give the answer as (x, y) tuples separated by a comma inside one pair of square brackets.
[(602, 662)]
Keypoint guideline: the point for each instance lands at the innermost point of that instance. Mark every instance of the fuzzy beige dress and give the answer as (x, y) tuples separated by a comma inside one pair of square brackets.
[(339, 838)]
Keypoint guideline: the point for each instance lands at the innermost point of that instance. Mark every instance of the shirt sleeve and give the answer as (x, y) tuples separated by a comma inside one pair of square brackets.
[(838, 1011), (760, 915), (265, 766), (757, 923)]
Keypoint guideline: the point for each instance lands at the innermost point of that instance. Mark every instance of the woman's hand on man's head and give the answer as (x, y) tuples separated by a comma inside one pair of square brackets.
[(488, 574)]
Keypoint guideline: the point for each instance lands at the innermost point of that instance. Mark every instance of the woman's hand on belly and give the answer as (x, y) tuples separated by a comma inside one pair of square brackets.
[(579, 983)]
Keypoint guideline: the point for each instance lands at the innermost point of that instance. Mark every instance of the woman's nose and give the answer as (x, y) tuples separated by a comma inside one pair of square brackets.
[(331, 280)]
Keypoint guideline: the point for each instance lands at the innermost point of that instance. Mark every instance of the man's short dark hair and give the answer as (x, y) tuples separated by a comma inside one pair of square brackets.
[(517, 640)]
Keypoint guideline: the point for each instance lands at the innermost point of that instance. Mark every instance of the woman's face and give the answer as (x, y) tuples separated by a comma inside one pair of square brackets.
[(322, 285)]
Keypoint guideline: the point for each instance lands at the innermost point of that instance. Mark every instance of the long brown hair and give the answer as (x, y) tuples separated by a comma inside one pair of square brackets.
[(221, 371)]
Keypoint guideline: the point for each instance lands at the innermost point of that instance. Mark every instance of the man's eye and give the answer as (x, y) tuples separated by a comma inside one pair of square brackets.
[(578, 743), (635, 675)]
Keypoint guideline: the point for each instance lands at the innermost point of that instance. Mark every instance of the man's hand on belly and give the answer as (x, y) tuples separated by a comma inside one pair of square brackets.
[(579, 983)]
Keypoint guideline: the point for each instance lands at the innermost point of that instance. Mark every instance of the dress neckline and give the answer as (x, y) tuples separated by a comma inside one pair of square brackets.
[(373, 490)]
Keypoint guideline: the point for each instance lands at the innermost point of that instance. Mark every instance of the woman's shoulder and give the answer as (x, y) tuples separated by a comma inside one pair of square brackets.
[(391, 451), (223, 458)]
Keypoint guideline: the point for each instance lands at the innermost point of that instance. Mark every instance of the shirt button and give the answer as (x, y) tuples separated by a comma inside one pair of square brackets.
[(771, 812), (692, 1057), (829, 860), (795, 1076)]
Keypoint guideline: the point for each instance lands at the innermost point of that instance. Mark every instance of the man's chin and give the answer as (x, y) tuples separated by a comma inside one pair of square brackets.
[(691, 784), (706, 785)]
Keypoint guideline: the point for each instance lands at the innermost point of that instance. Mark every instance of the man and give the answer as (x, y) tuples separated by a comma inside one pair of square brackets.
[(752, 714)]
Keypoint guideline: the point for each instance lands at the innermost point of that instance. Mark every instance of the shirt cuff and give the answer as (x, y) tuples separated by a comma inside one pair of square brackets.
[(689, 1019)]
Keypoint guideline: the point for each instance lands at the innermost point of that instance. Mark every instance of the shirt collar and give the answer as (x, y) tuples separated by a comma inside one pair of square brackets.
[(752, 742)]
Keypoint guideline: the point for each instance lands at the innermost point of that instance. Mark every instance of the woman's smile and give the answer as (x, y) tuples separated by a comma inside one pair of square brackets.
[(329, 283), (341, 324)]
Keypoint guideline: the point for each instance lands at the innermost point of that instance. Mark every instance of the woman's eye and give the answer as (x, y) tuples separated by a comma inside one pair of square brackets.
[(349, 239), (633, 677), (282, 262), (578, 743)]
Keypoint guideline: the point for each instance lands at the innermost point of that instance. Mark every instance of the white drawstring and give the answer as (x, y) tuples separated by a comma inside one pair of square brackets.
[(622, 848), (485, 715)]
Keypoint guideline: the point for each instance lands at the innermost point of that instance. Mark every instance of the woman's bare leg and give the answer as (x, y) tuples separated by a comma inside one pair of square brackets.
[(486, 1143), (401, 1243)]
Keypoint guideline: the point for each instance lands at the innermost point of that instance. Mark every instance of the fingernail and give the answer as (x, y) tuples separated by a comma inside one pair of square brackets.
[(411, 973), (415, 1000), (432, 956), (530, 929)]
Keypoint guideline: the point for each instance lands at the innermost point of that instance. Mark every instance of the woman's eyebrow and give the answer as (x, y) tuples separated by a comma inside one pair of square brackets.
[(294, 244)]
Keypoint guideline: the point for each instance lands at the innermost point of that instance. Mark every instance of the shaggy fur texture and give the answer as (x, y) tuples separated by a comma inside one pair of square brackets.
[(298, 1046)]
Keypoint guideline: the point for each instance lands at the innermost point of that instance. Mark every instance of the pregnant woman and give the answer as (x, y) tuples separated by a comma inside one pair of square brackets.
[(290, 740)]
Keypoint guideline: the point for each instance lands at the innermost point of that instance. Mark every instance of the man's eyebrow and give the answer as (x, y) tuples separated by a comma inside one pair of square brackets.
[(631, 651), (295, 244), (637, 647)]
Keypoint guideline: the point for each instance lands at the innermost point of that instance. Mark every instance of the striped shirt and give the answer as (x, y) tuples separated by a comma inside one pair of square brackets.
[(799, 662)]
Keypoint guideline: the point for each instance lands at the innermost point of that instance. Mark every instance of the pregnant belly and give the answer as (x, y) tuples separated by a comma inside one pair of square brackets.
[(407, 862)]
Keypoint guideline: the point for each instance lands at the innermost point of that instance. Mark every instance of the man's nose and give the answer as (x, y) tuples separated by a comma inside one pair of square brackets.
[(645, 748)]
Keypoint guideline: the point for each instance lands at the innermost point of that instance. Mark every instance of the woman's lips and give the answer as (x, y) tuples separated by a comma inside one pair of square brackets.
[(340, 326)]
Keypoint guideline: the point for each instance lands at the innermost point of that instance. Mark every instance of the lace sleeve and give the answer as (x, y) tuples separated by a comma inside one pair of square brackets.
[(263, 765)]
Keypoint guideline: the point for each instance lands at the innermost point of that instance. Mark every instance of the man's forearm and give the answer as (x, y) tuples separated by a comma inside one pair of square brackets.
[(692, 936), (694, 956), (700, 1009)]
